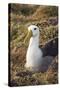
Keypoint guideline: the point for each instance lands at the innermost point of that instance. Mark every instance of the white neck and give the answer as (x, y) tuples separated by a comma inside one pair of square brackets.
[(34, 41)]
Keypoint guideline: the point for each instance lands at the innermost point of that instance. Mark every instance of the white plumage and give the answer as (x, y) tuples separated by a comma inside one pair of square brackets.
[(36, 58), (34, 53)]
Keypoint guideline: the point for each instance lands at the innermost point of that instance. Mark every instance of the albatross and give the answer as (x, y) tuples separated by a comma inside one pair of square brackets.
[(34, 57)]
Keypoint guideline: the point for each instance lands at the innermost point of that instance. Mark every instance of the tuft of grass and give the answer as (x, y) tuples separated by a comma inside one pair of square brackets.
[(48, 33)]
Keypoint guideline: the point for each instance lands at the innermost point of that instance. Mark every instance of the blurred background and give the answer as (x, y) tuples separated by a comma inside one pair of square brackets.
[(20, 17)]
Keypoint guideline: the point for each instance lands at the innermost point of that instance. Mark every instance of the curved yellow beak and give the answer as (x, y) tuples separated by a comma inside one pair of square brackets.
[(29, 35)]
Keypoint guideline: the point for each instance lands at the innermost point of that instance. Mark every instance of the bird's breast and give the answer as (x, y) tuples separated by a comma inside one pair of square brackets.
[(34, 55)]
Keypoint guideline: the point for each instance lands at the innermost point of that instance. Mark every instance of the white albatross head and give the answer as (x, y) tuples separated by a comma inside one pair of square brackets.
[(33, 31)]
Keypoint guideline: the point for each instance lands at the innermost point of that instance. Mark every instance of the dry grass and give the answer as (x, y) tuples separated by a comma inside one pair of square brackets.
[(47, 20)]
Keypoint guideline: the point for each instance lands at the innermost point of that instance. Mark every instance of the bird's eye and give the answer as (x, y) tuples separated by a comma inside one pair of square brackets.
[(34, 28)]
